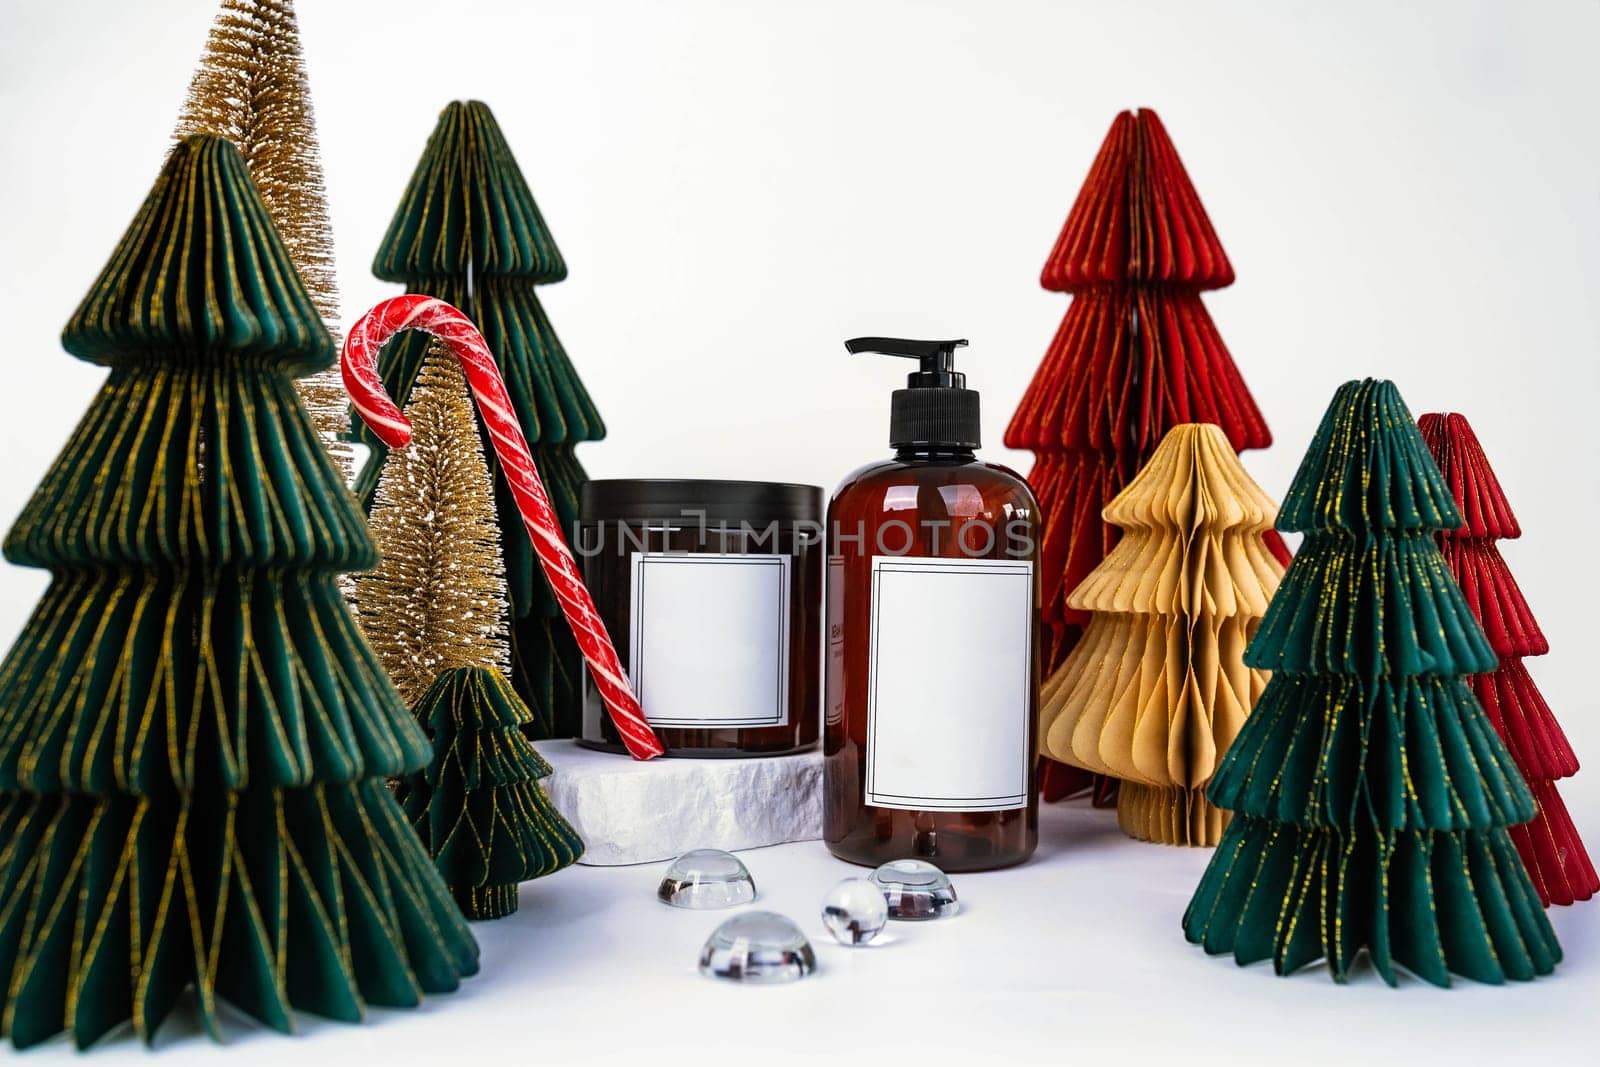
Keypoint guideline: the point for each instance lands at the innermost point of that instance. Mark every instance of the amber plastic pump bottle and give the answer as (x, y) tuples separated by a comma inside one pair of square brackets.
[(932, 667)]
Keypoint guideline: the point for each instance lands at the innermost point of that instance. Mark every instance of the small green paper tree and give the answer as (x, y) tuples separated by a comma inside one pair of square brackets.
[(479, 805), (469, 232), (194, 736), (1370, 793)]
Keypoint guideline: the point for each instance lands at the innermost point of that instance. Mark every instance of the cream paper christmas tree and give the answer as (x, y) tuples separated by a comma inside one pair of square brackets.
[(1157, 688)]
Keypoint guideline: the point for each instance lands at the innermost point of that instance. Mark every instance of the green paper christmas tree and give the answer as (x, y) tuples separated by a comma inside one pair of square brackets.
[(479, 805), (194, 737), (1370, 793), (468, 232)]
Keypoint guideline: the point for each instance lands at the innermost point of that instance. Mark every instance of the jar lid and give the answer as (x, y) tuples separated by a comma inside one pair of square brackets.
[(626, 499)]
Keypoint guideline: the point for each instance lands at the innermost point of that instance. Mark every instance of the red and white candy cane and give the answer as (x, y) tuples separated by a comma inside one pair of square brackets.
[(358, 364)]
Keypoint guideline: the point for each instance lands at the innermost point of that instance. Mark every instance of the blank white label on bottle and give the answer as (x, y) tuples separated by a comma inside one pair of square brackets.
[(949, 681), (709, 645)]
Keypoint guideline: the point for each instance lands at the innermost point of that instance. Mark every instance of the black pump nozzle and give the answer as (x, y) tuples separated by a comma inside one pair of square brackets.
[(936, 409), (938, 358)]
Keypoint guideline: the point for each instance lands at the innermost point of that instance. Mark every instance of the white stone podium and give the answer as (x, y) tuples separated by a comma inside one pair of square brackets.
[(632, 812)]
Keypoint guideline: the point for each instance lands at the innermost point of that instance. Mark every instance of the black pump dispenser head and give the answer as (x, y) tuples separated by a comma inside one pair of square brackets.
[(936, 409)]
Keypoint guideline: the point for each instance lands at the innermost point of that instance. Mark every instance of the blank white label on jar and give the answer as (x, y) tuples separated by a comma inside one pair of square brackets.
[(949, 684), (709, 645)]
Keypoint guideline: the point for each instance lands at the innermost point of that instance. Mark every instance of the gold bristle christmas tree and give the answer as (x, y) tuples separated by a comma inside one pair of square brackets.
[(436, 614), (1157, 688), (438, 599), (251, 88)]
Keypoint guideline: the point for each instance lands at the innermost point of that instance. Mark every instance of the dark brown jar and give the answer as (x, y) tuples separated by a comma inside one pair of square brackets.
[(712, 593)]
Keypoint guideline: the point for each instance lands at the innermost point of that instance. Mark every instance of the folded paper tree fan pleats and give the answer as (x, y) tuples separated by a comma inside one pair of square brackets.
[(469, 232), (479, 806), (194, 733), (1370, 795), (1550, 846), (1156, 689), (1136, 355)]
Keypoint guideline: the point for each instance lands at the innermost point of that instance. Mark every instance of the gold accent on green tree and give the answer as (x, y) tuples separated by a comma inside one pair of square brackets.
[(194, 735), (1369, 792), (469, 232)]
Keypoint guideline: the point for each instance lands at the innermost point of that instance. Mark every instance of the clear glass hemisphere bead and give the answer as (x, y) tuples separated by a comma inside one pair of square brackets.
[(758, 946), (705, 879), (915, 890)]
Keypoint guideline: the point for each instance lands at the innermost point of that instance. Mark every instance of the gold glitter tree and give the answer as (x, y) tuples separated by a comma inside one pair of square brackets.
[(251, 88), (438, 599), (435, 612)]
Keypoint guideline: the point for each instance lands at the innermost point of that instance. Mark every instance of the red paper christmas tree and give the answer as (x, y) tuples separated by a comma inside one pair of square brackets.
[(1562, 871), (1136, 355)]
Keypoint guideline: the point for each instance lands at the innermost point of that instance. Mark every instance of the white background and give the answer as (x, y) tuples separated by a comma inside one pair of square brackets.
[(1406, 190)]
